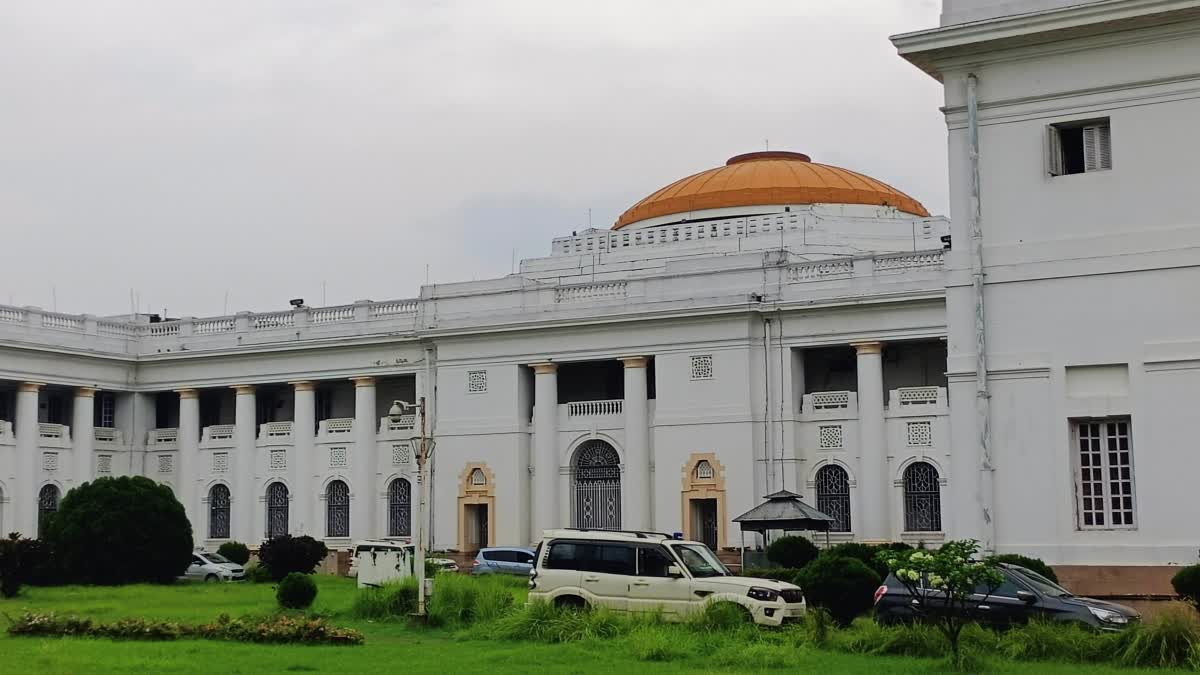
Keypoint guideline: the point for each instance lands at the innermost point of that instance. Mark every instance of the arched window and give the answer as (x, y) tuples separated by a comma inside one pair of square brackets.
[(400, 508), (277, 510), (47, 505), (478, 477), (704, 470), (218, 512), (337, 509), (833, 496), (922, 498)]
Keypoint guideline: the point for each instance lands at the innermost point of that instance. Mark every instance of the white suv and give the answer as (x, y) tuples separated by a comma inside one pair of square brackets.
[(645, 571)]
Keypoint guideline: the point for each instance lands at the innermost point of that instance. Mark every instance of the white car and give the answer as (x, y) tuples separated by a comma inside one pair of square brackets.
[(213, 567), (643, 572)]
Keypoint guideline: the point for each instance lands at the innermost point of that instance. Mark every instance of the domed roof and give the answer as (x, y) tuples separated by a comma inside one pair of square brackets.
[(772, 177)]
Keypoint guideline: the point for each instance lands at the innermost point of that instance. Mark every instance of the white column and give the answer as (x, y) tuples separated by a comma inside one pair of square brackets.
[(636, 481), (544, 504), (873, 485), (245, 523), (188, 435), (83, 433), (363, 465), (301, 462), (25, 487)]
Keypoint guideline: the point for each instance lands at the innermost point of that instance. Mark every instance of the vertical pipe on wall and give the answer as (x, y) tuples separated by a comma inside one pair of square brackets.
[(982, 397)]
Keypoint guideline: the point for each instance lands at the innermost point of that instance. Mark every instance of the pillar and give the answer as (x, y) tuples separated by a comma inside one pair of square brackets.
[(363, 465), (245, 525), (188, 435), (25, 487), (544, 503), (874, 487), (83, 433), (303, 515), (636, 482)]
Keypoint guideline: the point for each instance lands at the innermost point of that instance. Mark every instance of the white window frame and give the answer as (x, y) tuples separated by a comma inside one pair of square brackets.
[(1097, 145), (1106, 492)]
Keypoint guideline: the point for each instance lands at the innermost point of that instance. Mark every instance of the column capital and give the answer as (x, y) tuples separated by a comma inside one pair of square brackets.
[(85, 392), (29, 387), (243, 389), (187, 393), (544, 368), (363, 381), (868, 347), (634, 361), (302, 385)]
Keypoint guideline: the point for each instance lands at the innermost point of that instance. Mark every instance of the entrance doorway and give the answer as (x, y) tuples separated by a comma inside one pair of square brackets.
[(596, 480), (475, 518), (704, 521)]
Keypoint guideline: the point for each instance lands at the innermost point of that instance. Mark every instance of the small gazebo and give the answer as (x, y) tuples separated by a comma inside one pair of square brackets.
[(783, 510)]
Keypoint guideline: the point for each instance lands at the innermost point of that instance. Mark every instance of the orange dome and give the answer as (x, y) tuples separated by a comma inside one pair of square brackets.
[(773, 177)]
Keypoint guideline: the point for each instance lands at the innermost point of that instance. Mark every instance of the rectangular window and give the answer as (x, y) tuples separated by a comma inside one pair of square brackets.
[(105, 411), (476, 381), (1104, 474), (1079, 147)]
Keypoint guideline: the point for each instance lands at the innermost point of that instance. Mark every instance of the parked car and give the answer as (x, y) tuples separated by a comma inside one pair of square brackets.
[(503, 560), (213, 567), (1023, 595), (644, 572), (443, 564)]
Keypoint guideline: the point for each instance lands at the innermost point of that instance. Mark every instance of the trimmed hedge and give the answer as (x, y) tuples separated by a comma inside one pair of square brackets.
[(286, 554), (843, 586), (786, 574), (275, 630), (235, 552), (792, 551), (296, 591), (1187, 584)]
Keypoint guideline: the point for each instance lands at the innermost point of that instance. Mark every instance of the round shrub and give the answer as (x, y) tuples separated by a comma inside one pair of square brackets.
[(864, 552), (235, 551), (257, 574), (1031, 564), (296, 591), (792, 551), (843, 586), (286, 554), (1187, 584), (119, 531), (785, 574)]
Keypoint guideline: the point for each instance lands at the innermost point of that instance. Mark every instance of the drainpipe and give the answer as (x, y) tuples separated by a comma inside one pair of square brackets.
[(982, 397)]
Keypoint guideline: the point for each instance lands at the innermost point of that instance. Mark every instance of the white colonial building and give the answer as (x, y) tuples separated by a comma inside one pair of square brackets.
[(773, 323)]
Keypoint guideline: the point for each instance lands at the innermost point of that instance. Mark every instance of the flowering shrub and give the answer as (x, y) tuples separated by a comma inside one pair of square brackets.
[(274, 629)]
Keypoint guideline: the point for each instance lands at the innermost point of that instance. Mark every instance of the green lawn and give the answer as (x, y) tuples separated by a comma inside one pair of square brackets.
[(389, 646)]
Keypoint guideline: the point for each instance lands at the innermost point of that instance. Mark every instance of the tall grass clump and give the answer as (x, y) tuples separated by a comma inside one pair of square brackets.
[(542, 622), (720, 616), (1170, 640), (397, 599), (1054, 641), (459, 600)]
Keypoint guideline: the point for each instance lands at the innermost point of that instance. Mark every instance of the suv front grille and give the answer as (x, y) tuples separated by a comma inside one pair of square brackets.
[(792, 596)]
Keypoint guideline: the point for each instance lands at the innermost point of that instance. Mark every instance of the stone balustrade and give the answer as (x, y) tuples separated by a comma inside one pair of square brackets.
[(594, 408), (275, 432)]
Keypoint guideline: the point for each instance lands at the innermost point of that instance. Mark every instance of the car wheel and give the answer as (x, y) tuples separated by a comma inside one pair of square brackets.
[(571, 602), (211, 579)]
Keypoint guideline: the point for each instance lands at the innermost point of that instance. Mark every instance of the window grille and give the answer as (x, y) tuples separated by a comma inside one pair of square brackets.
[(400, 508), (476, 381), (920, 434), (50, 461), (478, 477), (218, 512), (47, 504), (337, 458), (220, 462), (277, 510), (166, 463), (103, 463), (401, 455), (922, 498), (829, 436), (704, 470), (337, 509), (702, 367), (833, 496), (1104, 474), (278, 460)]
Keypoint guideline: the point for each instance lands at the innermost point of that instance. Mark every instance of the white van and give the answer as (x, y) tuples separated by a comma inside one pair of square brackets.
[(378, 562), (646, 571)]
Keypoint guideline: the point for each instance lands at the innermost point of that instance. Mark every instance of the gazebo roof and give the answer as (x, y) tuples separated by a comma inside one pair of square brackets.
[(783, 510)]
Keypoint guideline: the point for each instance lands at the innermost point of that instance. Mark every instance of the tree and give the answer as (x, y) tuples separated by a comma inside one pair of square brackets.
[(234, 551), (792, 551), (14, 563), (845, 586), (943, 584), (120, 530), (286, 554)]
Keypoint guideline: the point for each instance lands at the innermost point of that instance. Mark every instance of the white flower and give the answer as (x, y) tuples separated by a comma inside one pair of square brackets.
[(936, 581)]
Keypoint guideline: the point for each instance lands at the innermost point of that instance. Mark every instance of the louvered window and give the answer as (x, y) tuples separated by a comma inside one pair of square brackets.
[(1079, 147)]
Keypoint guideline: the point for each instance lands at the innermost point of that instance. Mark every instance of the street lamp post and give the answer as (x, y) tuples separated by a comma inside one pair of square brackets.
[(423, 448)]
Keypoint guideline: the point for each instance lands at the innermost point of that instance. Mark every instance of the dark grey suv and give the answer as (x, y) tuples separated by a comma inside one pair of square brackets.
[(1024, 595)]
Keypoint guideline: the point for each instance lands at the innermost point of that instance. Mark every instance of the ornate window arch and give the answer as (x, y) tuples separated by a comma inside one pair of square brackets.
[(922, 498), (704, 470), (400, 508), (832, 484), (337, 509), (218, 512), (478, 477), (47, 505), (277, 510)]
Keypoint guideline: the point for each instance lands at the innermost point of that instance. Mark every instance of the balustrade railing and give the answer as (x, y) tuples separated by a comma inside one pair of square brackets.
[(403, 423), (59, 431), (829, 400), (273, 320), (590, 292), (162, 436), (906, 261), (12, 315), (275, 430), (106, 435), (63, 321), (821, 270), (331, 314), (213, 326), (588, 408), (220, 432), (394, 307), (917, 395), (337, 425)]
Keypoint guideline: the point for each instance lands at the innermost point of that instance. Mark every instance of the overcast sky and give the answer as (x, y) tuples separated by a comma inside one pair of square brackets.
[(265, 148)]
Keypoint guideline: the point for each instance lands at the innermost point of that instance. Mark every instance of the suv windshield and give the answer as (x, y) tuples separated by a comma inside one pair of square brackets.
[(700, 561), (1040, 583)]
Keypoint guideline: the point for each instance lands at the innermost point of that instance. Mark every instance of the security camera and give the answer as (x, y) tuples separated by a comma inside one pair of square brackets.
[(296, 302)]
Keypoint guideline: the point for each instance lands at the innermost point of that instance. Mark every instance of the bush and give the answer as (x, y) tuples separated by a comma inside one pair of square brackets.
[(296, 591), (1170, 640), (1187, 584), (119, 531), (286, 554), (41, 564), (391, 600), (15, 561), (795, 552), (257, 574), (844, 586), (785, 574), (276, 629), (235, 551), (1031, 564)]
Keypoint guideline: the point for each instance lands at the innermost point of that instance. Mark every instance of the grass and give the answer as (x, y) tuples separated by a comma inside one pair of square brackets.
[(597, 643)]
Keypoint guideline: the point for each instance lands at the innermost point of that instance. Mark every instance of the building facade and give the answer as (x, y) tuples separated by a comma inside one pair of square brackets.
[(773, 323)]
